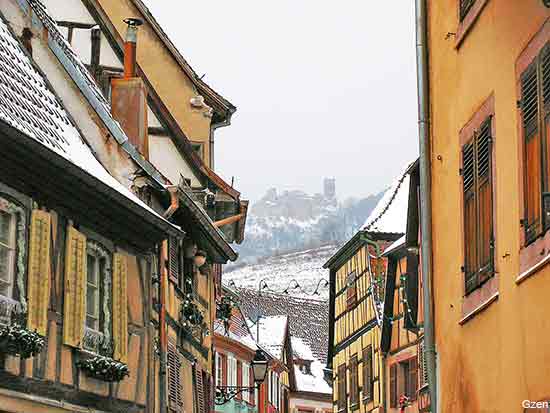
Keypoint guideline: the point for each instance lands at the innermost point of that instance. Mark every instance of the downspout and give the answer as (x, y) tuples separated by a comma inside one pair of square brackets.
[(163, 343), (425, 193)]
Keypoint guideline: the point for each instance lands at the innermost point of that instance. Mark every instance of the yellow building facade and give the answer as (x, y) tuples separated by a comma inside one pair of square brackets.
[(357, 281), (489, 96)]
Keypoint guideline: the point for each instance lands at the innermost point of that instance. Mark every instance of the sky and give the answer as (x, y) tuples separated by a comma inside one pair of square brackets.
[(322, 88)]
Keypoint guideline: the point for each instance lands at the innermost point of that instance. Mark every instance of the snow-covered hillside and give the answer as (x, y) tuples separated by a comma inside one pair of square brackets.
[(290, 221), (304, 266)]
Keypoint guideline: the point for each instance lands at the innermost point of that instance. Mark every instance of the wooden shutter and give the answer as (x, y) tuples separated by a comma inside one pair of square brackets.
[(174, 257), (354, 381), (545, 92), (175, 398), (199, 390), (478, 207), (465, 6), (208, 396), (532, 138), (412, 379), (470, 215), (120, 307), (342, 387), (223, 359), (75, 288), (393, 385), (485, 194), (38, 284), (367, 373), (351, 289), (422, 365)]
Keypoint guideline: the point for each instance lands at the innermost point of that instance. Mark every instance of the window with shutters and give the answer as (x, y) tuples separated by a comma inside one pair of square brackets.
[(535, 126), (342, 388), (97, 324), (246, 380), (354, 382), (478, 207), (351, 289), (175, 391), (367, 374)]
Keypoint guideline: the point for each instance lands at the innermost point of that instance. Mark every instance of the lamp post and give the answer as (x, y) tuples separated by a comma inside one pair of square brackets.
[(259, 370)]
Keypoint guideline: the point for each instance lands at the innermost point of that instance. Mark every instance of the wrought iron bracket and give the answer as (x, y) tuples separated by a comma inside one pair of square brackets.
[(226, 393)]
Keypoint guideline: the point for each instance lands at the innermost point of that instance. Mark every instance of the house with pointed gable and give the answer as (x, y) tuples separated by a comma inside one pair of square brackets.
[(163, 201), (295, 330), (356, 310)]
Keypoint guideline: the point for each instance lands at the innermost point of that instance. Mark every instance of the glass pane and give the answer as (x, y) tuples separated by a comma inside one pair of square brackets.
[(92, 272), (91, 300), (4, 264), (91, 323), (5, 230)]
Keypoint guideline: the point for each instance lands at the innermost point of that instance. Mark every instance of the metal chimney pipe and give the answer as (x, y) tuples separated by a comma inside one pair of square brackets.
[(130, 45)]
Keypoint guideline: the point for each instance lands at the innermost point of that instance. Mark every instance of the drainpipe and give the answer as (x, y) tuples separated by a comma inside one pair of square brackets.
[(425, 192), (163, 343), (174, 201)]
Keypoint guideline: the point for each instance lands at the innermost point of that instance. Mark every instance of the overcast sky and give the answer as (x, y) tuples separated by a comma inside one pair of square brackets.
[(322, 88)]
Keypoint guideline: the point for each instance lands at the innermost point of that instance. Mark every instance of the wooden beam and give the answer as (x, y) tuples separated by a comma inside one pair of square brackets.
[(228, 220)]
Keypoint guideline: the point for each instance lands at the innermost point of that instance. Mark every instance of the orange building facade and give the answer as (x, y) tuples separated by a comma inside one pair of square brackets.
[(489, 74)]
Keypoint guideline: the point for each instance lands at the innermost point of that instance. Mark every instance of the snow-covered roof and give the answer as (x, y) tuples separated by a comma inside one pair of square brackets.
[(315, 381), (307, 317), (272, 334), (395, 245), (390, 214), (28, 105)]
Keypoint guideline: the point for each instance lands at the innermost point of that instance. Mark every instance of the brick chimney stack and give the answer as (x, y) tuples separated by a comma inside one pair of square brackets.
[(128, 94)]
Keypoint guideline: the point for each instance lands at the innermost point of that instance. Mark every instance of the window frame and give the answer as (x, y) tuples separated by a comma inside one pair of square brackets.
[(19, 204), (532, 256), (480, 298), (10, 246), (482, 272), (100, 341)]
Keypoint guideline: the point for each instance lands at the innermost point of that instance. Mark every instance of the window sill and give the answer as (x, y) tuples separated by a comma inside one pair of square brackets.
[(533, 270), (465, 25), (485, 304)]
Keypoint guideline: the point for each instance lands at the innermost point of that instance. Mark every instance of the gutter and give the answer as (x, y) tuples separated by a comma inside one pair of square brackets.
[(422, 62)]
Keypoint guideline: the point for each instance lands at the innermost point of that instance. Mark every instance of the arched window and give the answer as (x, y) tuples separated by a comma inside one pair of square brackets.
[(97, 329)]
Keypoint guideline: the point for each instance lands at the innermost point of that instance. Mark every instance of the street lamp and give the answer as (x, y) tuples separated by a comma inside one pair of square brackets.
[(259, 369)]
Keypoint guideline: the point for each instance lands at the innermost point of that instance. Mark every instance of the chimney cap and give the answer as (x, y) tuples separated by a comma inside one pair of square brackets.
[(133, 21)]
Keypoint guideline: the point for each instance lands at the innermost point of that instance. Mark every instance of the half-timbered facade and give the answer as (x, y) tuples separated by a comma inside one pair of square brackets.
[(76, 244), (357, 280), (402, 330), (165, 304)]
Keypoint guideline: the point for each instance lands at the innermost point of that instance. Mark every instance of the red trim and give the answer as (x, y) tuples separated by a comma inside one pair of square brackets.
[(466, 25)]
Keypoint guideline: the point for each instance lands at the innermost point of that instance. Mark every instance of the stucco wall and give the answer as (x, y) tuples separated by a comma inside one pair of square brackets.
[(501, 356)]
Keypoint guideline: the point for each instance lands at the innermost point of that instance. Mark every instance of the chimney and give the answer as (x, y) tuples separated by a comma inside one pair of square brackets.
[(128, 94)]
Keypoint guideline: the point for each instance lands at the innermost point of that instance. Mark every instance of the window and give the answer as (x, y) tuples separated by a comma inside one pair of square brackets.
[(175, 390), (403, 380), (410, 377), (219, 370), (246, 380), (342, 388), (7, 251), (231, 371), (174, 257), (367, 373), (393, 385), (354, 382), (351, 289), (478, 207), (465, 6), (97, 332), (535, 114)]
